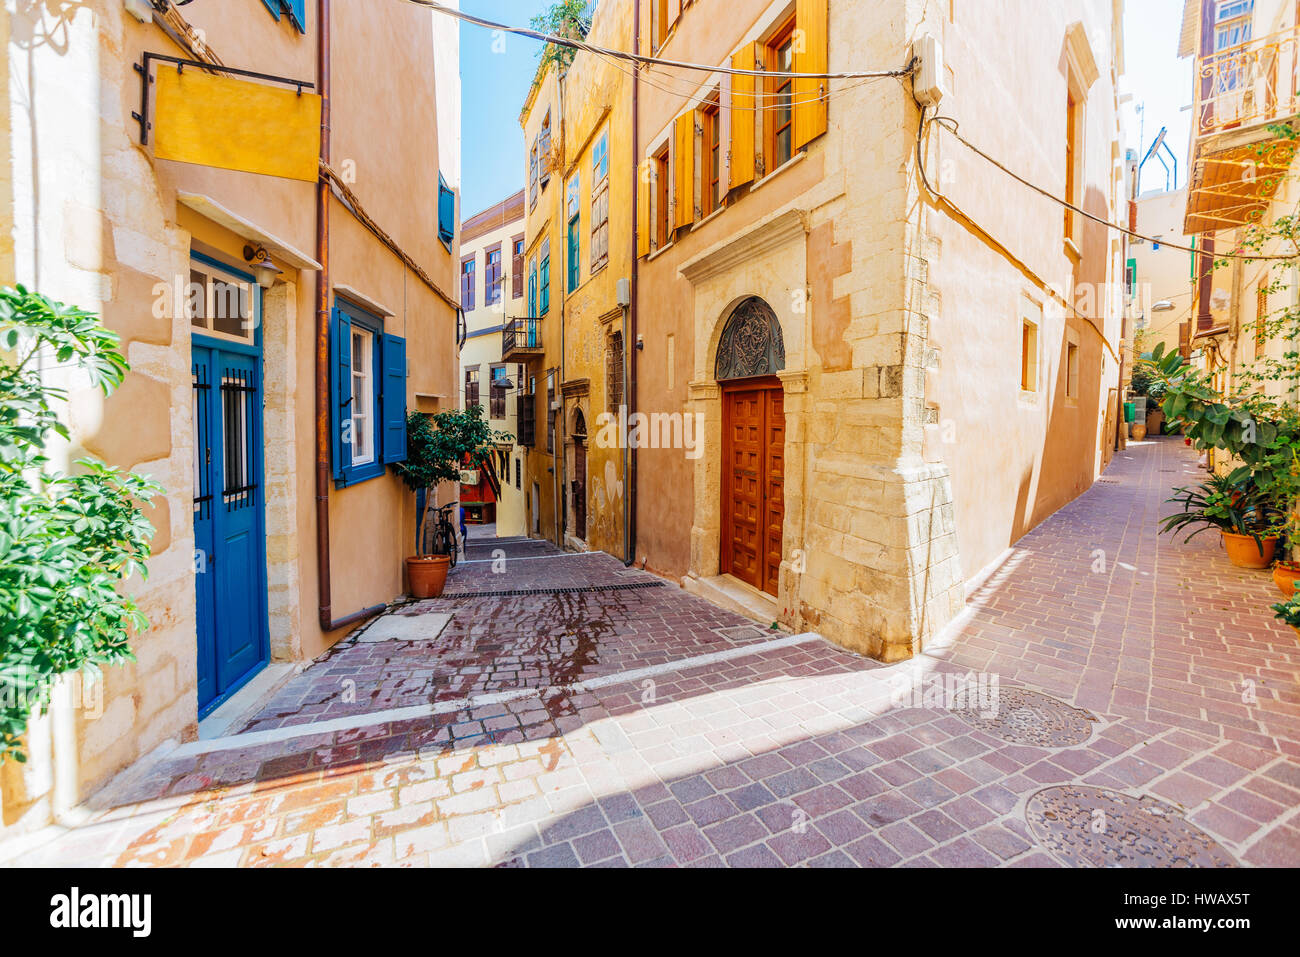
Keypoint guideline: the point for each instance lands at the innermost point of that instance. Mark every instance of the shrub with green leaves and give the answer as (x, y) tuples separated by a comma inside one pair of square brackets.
[(1257, 430), (439, 446), (67, 542)]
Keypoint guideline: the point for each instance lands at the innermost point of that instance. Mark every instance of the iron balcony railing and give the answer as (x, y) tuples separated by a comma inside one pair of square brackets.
[(1252, 84), (521, 337)]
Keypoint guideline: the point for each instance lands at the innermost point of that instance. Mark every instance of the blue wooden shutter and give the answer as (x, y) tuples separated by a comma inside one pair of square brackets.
[(393, 400), (298, 13), (532, 288), (446, 212), (342, 392), (274, 7)]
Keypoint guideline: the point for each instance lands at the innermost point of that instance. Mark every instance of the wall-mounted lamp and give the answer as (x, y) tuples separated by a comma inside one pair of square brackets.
[(263, 268), (1164, 305)]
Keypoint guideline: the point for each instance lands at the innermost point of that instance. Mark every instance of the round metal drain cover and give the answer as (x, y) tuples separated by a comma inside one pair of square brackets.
[(1028, 717), (1094, 827)]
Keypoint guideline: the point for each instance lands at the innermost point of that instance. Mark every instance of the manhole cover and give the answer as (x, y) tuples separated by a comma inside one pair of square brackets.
[(1028, 717), (1094, 827)]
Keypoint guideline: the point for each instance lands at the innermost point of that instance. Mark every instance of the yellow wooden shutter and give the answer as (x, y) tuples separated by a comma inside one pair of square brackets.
[(810, 56), (742, 118), (643, 209), (684, 173)]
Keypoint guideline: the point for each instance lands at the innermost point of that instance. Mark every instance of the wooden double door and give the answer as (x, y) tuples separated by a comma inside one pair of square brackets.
[(753, 481)]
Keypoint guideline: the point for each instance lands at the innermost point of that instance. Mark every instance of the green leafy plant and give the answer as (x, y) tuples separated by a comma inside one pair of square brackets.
[(67, 542), (1288, 612), (570, 19), (1237, 507), (438, 447)]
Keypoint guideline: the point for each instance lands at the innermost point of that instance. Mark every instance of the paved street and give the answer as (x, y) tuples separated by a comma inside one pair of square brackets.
[(639, 725)]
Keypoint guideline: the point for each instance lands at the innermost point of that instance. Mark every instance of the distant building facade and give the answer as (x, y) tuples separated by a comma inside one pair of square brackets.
[(492, 292)]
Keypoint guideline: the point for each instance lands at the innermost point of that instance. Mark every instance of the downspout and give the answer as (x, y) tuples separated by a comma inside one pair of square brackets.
[(631, 344), (560, 460), (327, 622)]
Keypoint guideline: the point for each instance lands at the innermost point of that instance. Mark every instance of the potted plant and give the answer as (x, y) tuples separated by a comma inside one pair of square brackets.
[(1285, 574), (437, 446), (1249, 523), (1288, 612)]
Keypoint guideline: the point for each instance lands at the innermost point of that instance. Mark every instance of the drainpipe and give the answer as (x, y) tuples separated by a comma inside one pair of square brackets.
[(327, 622), (631, 348), (561, 458)]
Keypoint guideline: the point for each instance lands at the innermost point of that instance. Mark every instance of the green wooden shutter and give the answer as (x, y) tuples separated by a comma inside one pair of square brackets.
[(393, 399)]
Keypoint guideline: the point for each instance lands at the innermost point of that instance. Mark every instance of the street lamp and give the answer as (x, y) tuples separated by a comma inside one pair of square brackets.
[(263, 268)]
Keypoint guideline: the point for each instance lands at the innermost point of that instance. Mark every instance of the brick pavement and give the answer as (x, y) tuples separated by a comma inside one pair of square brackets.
[(799, 755)]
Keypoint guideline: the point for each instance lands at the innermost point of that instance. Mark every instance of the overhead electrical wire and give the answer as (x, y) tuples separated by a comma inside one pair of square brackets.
[(945, 122), (951, 125), (642, 59)]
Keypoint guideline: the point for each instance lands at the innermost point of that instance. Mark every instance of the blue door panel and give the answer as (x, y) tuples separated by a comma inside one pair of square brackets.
[(230, 529), (204, 525)]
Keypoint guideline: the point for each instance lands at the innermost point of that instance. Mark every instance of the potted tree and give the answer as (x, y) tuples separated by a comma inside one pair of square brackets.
[(437, 447), (1249, 523)]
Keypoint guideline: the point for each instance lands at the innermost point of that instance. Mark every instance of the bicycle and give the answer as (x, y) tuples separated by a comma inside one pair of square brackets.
[(444, 534)]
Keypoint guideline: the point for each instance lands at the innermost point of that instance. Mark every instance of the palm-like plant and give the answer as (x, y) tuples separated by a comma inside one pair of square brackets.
[(1226, 502)]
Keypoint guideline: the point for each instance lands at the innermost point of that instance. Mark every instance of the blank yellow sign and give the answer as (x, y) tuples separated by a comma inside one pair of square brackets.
[(234, 124)]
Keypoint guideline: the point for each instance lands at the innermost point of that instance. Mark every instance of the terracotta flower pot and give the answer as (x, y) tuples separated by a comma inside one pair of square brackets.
[(1139, 431), (1244, 553), (1284, 576), (427, 575)]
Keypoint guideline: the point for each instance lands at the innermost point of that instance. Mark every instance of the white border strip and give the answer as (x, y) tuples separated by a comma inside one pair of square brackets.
[(369, 719)]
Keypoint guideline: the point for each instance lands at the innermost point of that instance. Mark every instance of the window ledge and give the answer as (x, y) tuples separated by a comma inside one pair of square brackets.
[(661, 250), (712, 216), (360, 473), (767, 178), (1027, 400)]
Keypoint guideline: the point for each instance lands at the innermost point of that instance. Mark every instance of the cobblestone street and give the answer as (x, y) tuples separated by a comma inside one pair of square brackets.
[(574, 712)]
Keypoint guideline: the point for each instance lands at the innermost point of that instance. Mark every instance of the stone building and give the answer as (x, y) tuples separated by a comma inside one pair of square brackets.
[(895, 382), (282, 525), (577, 124)]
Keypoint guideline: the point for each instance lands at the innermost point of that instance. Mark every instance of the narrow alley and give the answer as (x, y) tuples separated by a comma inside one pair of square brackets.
[(561, 710)]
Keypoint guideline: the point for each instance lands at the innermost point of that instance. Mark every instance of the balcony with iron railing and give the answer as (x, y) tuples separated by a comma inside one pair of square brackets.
[(521, 339), (1251, 84), (1238, 157)]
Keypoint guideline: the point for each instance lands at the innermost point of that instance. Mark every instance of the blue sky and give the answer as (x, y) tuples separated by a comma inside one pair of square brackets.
[(495, 73), (1159, 82)]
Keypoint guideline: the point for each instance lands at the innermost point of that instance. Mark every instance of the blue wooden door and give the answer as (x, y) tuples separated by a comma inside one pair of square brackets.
[(229, 520)]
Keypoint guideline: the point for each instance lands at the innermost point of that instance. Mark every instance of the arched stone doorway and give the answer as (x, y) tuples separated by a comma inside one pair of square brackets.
[(751, 352)]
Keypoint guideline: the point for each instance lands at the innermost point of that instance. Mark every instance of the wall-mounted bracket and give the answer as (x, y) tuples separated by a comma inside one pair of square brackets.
[(146, 80)]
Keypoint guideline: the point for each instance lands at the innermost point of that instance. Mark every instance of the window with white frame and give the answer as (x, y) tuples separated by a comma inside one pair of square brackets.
[(363, 386), (220, 302), (368, 384), (1232, 23)]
